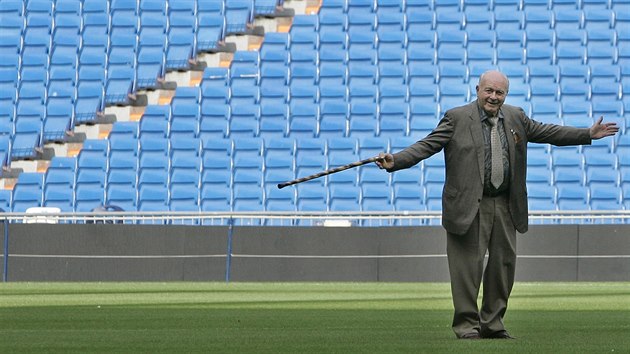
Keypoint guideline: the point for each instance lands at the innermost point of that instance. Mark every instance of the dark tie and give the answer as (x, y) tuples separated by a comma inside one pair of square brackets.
[(496, 178)]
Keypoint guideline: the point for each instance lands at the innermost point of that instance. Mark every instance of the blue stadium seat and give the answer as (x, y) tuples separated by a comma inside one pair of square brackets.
[(244, 121), (210, 31), (601, 54), (449, 21), (344, 198), (304, 46), (238, 14), (536, 5), (361, 23), (333, 118), (152, 198), (184, 122), (546, 111), (375, 199), (480, 48), (598, 18), (155, 122), (122, 196), (480, 20), (248, 198), (544, 92), (214, 198), (59, 197), (577, 114), (568, 19), (59, 183), (574, 75), (311, 197), (391, 48), (151, 61), (409, 198), (574, 92), (508, 20), (62, 86), (211, 7), (90, 95), (390, 22), (510, 56), (28, 129), (58, 121), (274, 84), (188, 95), (541, 196), (372, 146), (572, 197), (345, 178), (453, 96), (304, 24), (273, 120), (5, 199), (279, 200), (8, 86), (604, 74), (601, 168), (119, 85), (309, 156), (4, 150), (278, 169), (363, 119), (11, 8), (303, 120), (302, 85), (564, 5), (538, 18), (27, 191), (123, 164), (393, 120), (216, 171), (605, 198), (153, 162), (184, 198), (371, 176), (306, 165)]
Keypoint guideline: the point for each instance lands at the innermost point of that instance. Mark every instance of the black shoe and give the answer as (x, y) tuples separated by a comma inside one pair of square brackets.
[(471, 335), (498, 335)]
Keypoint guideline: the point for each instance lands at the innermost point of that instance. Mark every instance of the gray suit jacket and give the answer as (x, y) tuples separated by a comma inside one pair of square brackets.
[(460, 134)]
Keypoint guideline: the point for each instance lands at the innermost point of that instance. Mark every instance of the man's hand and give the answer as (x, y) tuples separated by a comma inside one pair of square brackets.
[(599, 130), (386, 161)]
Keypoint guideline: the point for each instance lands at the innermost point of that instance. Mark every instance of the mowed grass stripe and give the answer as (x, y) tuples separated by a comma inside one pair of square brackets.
[(300, 317)]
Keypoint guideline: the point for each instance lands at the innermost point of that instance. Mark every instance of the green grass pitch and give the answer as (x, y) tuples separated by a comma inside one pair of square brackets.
[(301, 318)]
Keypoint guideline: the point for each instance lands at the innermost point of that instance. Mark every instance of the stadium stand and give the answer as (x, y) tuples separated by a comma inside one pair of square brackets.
[(357, 78)]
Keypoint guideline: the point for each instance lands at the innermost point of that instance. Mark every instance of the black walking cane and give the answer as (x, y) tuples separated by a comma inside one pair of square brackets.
[(330, 171)]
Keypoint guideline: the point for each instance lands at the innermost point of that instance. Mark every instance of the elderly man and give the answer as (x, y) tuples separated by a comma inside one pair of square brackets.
[(484, 200)]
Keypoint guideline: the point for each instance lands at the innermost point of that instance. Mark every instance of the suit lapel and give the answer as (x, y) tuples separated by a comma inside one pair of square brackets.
[(508, 125), (477, 137)]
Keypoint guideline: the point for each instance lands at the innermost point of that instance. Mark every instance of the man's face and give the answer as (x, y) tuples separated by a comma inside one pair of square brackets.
[(491, 93)]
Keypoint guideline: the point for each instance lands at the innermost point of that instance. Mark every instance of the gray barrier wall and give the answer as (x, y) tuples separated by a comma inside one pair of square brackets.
[(101, 252)]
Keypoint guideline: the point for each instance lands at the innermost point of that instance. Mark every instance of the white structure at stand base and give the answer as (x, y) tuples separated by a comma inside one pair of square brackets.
[(41, 217)]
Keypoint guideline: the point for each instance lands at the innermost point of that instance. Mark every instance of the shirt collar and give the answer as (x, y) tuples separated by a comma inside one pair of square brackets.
[(485, 115)]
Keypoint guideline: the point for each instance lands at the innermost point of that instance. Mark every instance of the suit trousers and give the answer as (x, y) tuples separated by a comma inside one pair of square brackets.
[(492, 231)]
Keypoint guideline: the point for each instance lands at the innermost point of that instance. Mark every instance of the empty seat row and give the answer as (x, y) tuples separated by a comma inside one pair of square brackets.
[(51, 189)]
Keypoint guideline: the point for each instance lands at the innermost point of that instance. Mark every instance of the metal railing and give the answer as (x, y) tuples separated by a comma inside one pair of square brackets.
[(301, 218)]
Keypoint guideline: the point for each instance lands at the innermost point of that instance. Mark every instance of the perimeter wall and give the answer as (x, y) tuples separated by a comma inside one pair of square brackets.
[(104, 252)]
